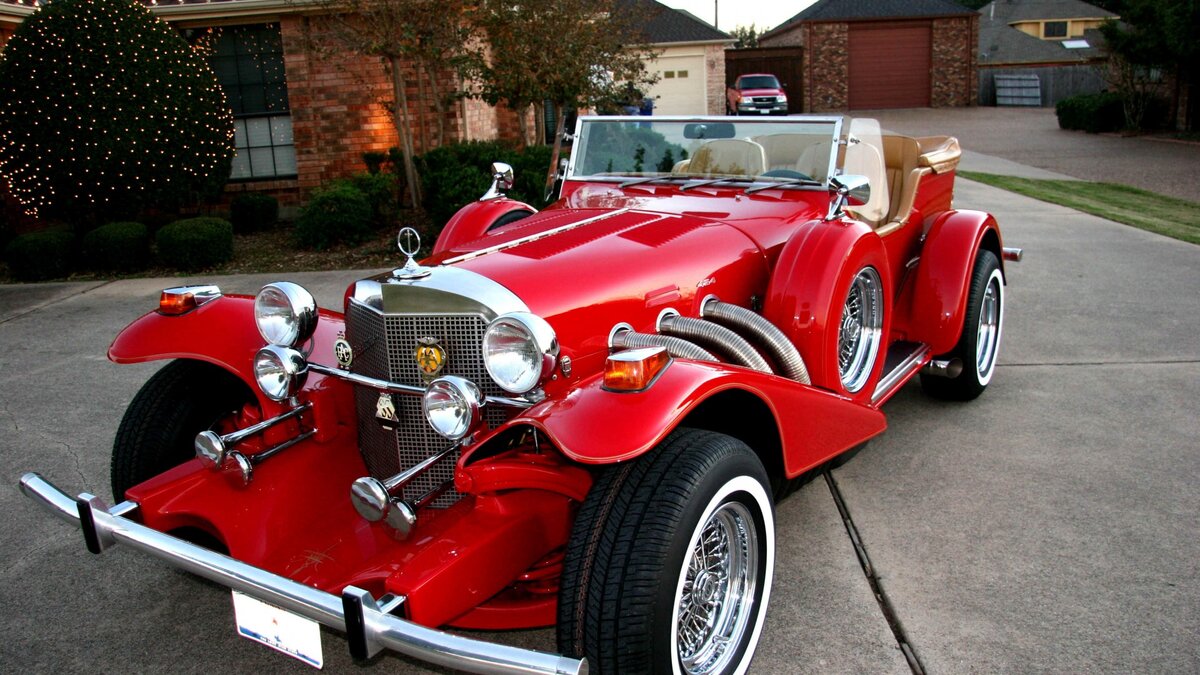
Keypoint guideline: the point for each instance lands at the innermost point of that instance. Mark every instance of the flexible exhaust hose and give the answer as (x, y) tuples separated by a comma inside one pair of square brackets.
[(680, 349), (773, 340), (728, 342)]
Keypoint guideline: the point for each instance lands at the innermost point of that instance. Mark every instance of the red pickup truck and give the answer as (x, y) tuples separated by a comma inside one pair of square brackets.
[(756, 94)]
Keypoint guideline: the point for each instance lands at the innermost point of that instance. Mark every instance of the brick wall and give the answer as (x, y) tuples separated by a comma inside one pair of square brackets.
[(6, 31), (714, 61), (955, 80), (826, 67), (793, 37)]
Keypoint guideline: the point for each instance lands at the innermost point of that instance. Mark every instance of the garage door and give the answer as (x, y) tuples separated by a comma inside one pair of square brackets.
[(681, 87), (889, 66)]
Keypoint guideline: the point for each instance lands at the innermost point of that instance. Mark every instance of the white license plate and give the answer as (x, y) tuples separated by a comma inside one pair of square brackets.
[(278, 629), (764, 111)]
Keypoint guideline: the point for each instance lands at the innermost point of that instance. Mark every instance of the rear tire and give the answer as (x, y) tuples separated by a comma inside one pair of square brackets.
[(160, 425), (979, 344), (640, 593)]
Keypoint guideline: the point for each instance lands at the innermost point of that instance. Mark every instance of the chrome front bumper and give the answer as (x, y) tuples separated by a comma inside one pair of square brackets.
[(368, 629)]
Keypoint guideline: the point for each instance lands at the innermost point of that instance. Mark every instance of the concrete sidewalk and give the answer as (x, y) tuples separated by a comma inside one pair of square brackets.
[(1030, 137)]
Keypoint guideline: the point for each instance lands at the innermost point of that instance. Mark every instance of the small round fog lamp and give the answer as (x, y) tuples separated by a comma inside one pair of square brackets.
[(280, 372), (453, 406)]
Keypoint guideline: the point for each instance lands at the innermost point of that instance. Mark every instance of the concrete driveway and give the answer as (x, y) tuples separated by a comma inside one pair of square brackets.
[(1049, 526)]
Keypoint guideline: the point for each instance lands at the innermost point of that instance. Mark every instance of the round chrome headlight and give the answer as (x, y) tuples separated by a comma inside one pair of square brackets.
[(519, 351), (280, 372), (286, 313), (453, 406)]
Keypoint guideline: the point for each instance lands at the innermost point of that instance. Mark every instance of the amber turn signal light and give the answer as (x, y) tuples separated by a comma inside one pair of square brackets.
[(183, 299), (634, 369)]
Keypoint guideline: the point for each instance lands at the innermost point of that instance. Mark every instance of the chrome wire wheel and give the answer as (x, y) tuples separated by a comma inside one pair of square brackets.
[(717, 601), (991, 315), (860, 330)]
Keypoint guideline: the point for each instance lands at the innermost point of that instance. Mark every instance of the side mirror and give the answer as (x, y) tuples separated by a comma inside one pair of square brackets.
[(845, 188), (502, 179)]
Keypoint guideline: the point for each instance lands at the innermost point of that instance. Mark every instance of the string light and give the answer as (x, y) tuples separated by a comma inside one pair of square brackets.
[(108, 107)]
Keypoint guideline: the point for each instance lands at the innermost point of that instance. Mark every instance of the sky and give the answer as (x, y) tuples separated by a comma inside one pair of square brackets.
[(761, 13)]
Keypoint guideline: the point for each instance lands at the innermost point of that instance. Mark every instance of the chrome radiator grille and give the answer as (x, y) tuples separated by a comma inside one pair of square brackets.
[(383, 348)]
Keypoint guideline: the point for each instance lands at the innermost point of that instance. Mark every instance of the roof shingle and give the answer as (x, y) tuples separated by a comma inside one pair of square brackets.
[(857, 10)]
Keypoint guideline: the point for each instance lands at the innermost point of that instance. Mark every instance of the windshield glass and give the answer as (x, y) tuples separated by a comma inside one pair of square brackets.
[(787, 149), (758, 82)]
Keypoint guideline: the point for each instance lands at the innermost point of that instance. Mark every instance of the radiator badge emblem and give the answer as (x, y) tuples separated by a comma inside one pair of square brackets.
[(430, 358), (342, 352), (385, 412)]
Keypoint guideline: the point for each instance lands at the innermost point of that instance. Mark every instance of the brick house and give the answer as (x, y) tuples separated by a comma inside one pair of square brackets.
[(883, 54)]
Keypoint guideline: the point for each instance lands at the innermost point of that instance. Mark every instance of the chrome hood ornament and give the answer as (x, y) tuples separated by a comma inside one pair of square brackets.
[(409, 242)]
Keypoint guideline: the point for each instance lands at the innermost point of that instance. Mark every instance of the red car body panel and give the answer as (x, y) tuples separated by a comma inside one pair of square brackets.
[(474, 220)]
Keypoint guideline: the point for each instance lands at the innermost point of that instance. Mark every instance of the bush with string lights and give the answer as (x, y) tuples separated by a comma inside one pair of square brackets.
[(108, 111)]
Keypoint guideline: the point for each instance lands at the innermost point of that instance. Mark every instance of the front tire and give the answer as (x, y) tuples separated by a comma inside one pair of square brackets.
[(669, 564), (160, 425), (980, 342)]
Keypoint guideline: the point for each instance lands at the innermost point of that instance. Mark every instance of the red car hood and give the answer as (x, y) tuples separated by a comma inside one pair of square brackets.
[(584, 270)]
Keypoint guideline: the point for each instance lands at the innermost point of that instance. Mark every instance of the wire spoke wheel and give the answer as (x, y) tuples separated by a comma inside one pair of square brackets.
[(860, 330), (720, 577)]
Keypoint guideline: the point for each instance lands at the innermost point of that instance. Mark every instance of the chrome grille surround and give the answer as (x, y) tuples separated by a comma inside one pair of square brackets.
[(385, 316)]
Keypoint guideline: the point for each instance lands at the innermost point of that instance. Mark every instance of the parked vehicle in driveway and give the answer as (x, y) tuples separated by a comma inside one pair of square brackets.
[(578, 417), (756, 94)]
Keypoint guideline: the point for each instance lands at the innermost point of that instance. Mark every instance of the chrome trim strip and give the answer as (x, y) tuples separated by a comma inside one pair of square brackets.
[(407, 390), (892, 379), (378, 630), (448, 290), (532, 237)]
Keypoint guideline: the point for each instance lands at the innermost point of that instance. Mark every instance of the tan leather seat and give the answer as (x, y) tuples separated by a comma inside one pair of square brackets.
[(729, 157), (900, 155)]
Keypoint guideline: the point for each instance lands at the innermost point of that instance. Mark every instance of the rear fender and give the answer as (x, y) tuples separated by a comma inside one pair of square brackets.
[(221, 332), (947, 258), (592, 425), (808, 290), (475, 219)]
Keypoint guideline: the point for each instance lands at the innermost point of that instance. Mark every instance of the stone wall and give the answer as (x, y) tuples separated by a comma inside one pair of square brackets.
[(826, 67), (955, 77), (714, 60)]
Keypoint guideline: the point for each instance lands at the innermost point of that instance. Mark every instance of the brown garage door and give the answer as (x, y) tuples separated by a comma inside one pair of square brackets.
[(889, 65)]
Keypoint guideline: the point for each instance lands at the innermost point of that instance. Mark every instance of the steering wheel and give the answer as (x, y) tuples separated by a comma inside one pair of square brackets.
[(786, 173)]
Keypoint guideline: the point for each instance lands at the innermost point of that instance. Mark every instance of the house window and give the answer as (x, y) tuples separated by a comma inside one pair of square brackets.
[(670, 74), (681, 73), (248, 61), (1054, 29)]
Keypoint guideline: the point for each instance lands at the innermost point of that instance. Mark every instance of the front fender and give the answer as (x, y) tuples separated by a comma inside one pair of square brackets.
[(474, 220), (221, 332), (947, 258), (592, 425)]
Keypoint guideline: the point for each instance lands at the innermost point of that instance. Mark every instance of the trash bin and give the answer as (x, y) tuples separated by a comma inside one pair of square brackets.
[(647, 106)]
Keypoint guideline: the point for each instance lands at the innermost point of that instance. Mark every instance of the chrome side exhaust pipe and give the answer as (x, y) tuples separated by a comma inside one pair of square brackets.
[(1013, 254), (943, 368)]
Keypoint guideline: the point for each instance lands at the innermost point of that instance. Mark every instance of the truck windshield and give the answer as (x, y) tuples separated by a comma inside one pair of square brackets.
[(758, 82)]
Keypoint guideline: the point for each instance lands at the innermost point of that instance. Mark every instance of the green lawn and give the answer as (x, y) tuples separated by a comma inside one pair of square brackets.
[(1178, 218)]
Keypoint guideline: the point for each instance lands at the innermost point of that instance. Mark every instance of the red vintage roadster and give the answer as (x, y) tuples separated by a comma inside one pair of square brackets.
[(579, 417)]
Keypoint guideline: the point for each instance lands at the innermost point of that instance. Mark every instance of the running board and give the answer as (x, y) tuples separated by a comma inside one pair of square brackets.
[(903, 361)]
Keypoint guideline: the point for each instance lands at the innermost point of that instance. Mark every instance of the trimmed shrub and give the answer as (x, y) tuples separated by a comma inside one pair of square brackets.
[(1093, 113), (250, 211), (453, 175), (36, 256), (195, 243), (120, 247), (335, 214), (381, 190)]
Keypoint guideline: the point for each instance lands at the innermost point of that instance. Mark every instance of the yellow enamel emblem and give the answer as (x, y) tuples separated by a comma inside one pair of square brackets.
[(430, 358)]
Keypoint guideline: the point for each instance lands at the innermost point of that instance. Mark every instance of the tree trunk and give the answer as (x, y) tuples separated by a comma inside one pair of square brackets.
[(539, 123), (404, 130), (523, 125), (422, 105), (559, 124), (440, 104)]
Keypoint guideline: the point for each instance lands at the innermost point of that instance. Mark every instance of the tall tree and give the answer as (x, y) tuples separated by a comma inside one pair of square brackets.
[(106, 110), (569, 53), (1153, 35), (418, 42), (747, 36)]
